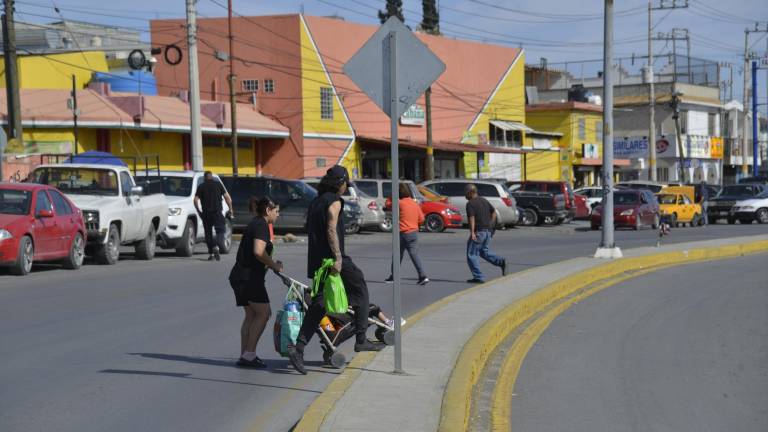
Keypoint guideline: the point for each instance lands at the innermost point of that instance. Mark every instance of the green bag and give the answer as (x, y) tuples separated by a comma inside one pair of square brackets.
[(334, 294)]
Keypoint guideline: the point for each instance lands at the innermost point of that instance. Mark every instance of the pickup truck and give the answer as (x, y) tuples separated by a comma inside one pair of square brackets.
[(539, 207), (115, 211), (720, 206), (185, 226)]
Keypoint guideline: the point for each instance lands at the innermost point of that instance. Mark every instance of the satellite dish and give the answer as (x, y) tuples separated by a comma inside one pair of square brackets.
[(137, 60)]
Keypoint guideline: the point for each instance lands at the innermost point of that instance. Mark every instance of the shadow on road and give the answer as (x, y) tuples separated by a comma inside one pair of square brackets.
[(188, 376), (274, 366)]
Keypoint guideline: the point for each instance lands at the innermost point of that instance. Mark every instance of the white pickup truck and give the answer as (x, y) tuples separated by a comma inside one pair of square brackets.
[(185, 226), (115, 211)]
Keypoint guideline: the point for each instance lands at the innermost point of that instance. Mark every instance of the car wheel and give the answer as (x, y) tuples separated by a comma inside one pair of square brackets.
[(74, 260), (352, 228), (386, 226), (434, 223), (673, 220), (530, 217), (25, 257), (186, 246), (761, 216), (109, 252), (656, 221), (696, 220), (731, 221), (226, 246), (145, 249)]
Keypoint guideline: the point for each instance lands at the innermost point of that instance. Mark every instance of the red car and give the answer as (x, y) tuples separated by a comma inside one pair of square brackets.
[(632, 208), (39, 223), (582, 208), (437, 215)]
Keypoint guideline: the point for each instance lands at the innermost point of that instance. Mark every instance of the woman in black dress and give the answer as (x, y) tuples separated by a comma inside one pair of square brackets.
[(255, 253)]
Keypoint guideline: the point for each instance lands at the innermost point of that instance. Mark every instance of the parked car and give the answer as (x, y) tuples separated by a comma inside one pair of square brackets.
[(712, 190), (582, 208), (678, 208), (540, 207), (594, 195), (293, 197), (761, 179), (495, 192), (720, 206), (438, 215), (633, 208), (561, 187), (353, 217), (752, 209), (38, 223), (641, 184), (373, 215), (431, 195), (116, 211), (185, 227)]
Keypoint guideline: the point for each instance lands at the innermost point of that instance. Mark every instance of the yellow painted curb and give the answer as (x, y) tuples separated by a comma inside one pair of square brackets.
[(472, 359), (318, 410)]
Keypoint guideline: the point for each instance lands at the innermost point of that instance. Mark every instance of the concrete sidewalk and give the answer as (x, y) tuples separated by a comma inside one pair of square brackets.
[(381, 401)]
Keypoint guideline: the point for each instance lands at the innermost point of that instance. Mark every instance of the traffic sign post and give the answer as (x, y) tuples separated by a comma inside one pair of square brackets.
[(374, 68)]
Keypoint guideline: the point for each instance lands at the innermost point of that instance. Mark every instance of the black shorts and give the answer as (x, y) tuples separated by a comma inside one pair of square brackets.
[(251, 292)]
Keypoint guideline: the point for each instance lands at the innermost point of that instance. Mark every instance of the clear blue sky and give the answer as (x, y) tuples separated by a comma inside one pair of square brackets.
[(559, 30)]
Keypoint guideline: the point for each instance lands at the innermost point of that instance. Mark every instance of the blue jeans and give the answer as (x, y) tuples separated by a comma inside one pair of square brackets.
[(479, 249), (410, 242)]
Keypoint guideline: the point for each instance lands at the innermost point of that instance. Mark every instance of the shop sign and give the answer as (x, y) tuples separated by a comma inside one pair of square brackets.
[(697, 146), (666, 147), (413, 116), (716, 148), (630, 147)]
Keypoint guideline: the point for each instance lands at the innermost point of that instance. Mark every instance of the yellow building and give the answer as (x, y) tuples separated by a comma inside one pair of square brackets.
[(581, 127), (54, 71)]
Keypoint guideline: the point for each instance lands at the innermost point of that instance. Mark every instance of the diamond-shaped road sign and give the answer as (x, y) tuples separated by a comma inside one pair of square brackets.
[(417, 67)]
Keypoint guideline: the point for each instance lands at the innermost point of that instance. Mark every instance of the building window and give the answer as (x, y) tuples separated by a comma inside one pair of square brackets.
[(683, 122), (269, 86), (499, 137), (251, 85), (326, 103), (712, 125), (582, 129), (598, 130)]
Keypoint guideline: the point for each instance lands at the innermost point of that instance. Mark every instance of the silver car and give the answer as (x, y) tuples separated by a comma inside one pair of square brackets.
[(493, 191), (373, 213)]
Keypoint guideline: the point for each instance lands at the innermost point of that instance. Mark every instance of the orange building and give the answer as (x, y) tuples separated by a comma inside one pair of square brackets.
[(290, 67)]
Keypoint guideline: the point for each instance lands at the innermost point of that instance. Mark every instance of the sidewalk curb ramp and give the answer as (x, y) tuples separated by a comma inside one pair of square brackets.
[(472, 360), (476, 351)]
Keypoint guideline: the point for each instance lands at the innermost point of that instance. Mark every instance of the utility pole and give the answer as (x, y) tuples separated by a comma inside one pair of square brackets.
[(232, 89), (651, 91), (755, 136), (607, 248), (194, 88), (11, 73), (75, 112), (430, 161), (745, 96), (678, 134)]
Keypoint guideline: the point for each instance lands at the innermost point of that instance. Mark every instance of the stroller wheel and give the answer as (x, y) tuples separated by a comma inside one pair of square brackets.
[(389, 337), (338, 360), (380, 334), (327, 357)]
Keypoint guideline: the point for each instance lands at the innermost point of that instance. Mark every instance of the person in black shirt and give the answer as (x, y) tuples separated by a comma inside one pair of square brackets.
[(255, 253), (209, 194), (482, 223), (325, 230)]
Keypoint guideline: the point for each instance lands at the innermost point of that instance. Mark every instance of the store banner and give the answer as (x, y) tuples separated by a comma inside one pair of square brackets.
[(630, 147), (716, 147), (697, 146)]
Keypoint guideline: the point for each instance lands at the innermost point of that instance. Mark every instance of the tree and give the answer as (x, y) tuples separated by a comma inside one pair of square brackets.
[(430, 21), (394, 8)]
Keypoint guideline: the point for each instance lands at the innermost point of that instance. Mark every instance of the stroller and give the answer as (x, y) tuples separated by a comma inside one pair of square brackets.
[(335, 329)]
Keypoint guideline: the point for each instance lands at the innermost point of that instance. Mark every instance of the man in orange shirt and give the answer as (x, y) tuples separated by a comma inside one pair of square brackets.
[(411, 217)]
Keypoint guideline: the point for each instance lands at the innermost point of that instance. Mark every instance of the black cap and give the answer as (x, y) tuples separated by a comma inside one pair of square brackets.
[(337, 173)]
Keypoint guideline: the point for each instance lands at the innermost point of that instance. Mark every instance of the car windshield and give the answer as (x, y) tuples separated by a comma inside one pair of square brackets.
[(15, 202), (169, 185), (625, 198), (73, 180), (667, 199), (762, 195), (736, 191)]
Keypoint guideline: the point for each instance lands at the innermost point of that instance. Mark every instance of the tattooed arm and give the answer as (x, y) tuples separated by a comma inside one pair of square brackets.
[(333, 237)]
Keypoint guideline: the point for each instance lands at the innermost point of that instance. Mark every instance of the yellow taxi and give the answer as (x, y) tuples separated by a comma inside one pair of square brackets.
[(677, 207)]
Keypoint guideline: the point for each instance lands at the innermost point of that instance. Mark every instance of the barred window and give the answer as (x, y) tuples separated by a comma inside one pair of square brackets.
[(269, 86), (598, 130), (250, 85), (582, 129), (326, 103)]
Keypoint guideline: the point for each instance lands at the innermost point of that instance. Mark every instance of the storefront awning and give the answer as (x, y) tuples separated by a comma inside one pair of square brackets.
[(510, 126), (442, 145)]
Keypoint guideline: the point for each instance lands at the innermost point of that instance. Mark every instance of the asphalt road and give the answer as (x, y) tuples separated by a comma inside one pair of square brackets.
[(150, 345), (681, 349)]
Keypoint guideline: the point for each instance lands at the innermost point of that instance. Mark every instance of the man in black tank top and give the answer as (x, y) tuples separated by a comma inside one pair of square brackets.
[(325, 230)]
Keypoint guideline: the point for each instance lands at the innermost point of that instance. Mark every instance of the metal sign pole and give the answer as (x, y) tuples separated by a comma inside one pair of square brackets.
[(392, 56)]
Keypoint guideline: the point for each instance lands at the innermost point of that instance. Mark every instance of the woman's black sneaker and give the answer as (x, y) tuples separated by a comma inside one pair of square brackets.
[(256, 363)]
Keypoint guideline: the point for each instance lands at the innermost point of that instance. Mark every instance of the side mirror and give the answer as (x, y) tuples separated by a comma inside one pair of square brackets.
[(44, 214), (137, 190), (295, 196)]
